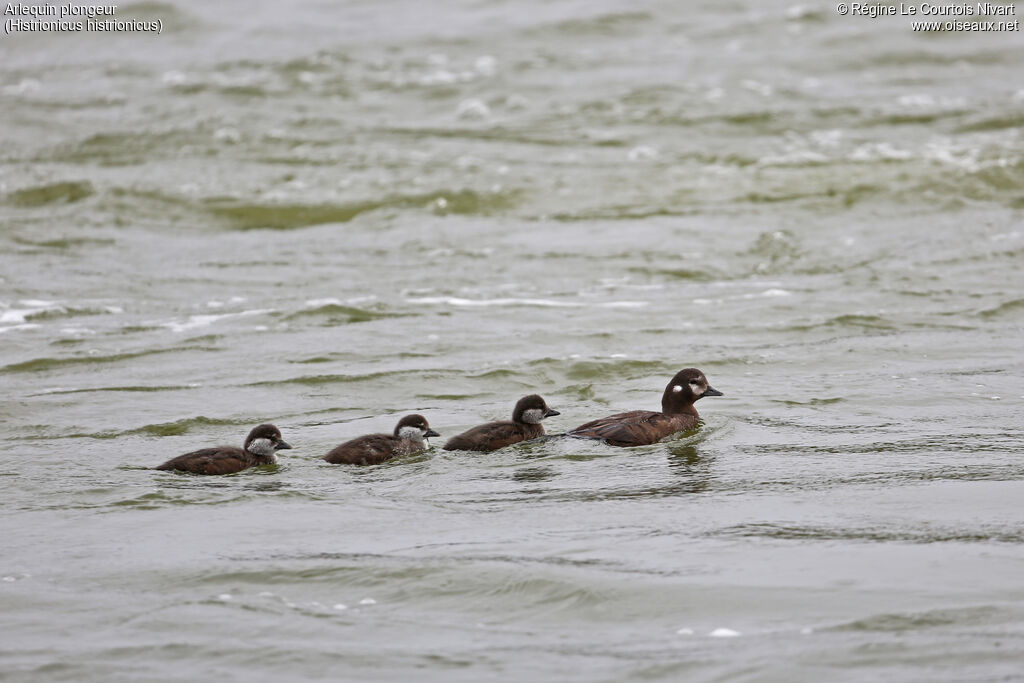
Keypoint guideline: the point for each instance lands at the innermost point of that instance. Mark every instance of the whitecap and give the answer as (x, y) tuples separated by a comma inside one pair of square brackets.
[(724, 633), (19, 316), (439, 77), (879, 151), (320, 303), (174, 78), (642, 152), (472, 108), (486, 65), (25, 85), (793, 158), (205, 320), (763, 89)]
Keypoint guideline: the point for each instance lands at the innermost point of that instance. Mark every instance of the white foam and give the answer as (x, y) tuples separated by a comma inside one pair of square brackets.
[(486, 65), (25, 85), (797, 157), (472, 108), (879, 151), (763, 89), (77, 331), (642, 153), (174, 78), (367, 601), (684, 632), (339, 606), (724, 633), (224, 597), (19, 316), (26, 326), (195, 321)]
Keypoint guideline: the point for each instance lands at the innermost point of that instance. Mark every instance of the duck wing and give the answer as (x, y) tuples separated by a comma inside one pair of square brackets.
[(371, 449), (492, 436), (635, 428), (222, 460)]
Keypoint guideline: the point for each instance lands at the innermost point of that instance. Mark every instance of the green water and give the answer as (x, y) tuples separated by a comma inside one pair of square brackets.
[(327, 216)]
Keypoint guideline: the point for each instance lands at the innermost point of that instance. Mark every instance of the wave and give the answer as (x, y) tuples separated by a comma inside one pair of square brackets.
[(519, 301), (338, 312), (931, 534), (45, 364), (67, 192), (250, 216)]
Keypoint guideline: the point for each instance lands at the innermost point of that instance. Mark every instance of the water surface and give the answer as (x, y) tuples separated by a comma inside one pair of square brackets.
[(329, 216)]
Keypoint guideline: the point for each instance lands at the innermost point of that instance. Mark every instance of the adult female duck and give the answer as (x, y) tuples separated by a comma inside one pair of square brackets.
[(642, 427)]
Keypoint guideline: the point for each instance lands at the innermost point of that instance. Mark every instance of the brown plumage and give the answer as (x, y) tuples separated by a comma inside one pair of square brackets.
[(409, 437), (259, 449), (642, 427), (524, 425)]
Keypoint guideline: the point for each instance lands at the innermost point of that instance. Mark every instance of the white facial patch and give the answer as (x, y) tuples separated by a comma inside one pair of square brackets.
[(696, 388), (677, 388), (261, 447), (533, 416), (414, 433)]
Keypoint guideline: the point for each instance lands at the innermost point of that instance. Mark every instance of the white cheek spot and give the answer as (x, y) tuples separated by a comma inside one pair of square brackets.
[(533, 416), (677, 388), (261, 447), (696, 388), (413, 433)]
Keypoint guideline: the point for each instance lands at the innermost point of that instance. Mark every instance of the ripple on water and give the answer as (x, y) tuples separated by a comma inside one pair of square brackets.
[(49, 364), (888, 534), (940, 618)]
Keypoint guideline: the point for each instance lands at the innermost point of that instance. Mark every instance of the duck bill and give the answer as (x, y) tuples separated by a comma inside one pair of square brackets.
[(430, 432), (551, 413), (711, 391), (282, 446)]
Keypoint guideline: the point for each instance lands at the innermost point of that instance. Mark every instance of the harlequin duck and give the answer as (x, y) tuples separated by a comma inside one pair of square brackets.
[(525, 424), (642, 427), (372, 449), (260, 449)]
